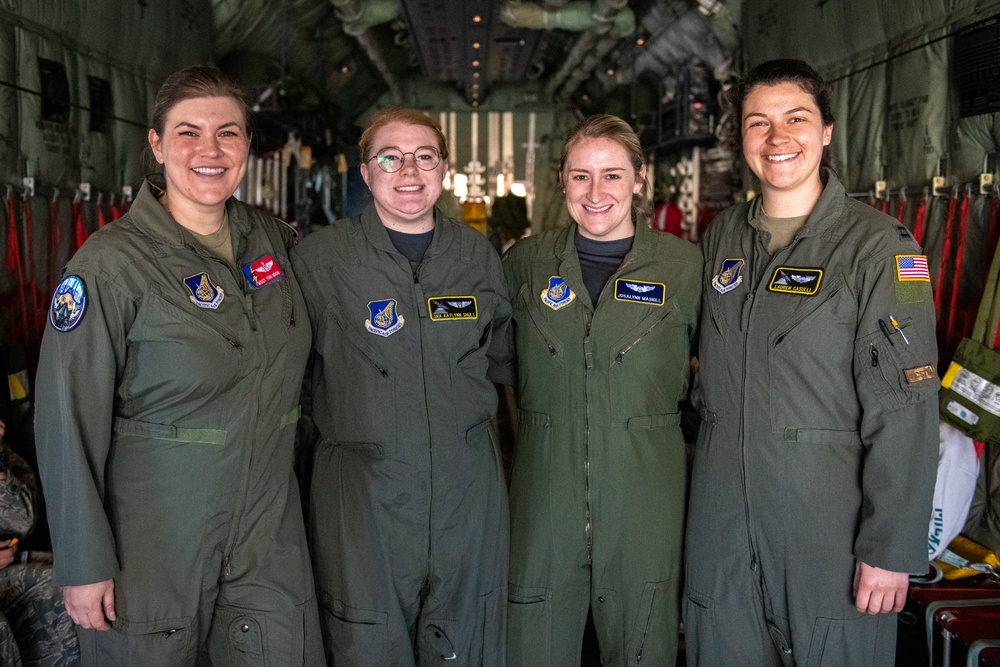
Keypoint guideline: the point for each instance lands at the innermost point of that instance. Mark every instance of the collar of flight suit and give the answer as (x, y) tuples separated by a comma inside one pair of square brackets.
[(824, 215), (569, 260), (152, 220), (378, 237)]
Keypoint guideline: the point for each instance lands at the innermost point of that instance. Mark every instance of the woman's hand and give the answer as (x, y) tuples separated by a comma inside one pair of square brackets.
[(7, 553), (91, 605), (879, 591)]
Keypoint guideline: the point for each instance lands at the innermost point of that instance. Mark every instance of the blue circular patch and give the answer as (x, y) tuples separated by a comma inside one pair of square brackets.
[(68, 304)]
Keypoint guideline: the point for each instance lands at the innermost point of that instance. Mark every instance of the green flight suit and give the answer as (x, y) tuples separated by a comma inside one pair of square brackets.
[(408, 501), (599, 479), (165, 421), (820, 438)]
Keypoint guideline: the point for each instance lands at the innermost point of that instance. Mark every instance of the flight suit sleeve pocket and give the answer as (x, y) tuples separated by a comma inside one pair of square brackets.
[(896, 373), (532, 418)]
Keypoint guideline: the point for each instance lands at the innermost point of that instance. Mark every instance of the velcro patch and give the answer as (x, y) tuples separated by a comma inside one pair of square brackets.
[(793, 280), (920, 374), (639, 291), (68, 304), (446, 308), (262, 271), (912, 267)]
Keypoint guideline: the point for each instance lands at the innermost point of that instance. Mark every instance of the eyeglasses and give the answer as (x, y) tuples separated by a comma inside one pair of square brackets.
[(391, 159)]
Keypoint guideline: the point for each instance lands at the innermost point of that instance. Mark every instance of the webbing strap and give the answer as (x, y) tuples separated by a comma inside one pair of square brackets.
[(952, 333), (54, 238), (901, 212), (945, 251), (14, 263), (918, 226)]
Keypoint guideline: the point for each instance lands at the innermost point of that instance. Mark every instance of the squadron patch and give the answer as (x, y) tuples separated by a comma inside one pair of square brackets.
[(558, 295), (204, 293), (383, 318), (262, 271), (68, 304), (730, 276), (912, 267), (445, 308), (639, 291), (792, 280)]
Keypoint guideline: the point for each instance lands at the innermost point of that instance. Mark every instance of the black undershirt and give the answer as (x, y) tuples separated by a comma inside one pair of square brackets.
[(599, 260), (411, 246)]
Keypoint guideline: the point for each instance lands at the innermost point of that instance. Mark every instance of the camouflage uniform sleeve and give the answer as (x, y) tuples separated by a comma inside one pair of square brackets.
[(18, 497)]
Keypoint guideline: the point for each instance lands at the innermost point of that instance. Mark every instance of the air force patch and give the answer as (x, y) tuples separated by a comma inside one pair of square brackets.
[(558, 294), (639, 291), (791, 280), (447, 308), (204, 293), (68, 304), (730, 276), (384, 320), (262, 271)]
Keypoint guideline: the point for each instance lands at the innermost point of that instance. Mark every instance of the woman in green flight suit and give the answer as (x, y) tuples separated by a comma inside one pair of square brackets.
[(605, 310)]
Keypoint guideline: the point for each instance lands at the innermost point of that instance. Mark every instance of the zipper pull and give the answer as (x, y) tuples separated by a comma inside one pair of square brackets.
[(874, 357)]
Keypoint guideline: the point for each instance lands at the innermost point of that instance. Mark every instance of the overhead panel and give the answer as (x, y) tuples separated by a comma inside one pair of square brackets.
[(465, 42)]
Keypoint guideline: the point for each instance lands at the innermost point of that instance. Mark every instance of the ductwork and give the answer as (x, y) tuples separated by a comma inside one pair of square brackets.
[(357, 16), (603, 23)]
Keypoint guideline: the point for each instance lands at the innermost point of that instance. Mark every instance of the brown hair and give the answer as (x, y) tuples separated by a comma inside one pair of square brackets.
[(400, 115), (606, 126), (192, 82), (773, 73)]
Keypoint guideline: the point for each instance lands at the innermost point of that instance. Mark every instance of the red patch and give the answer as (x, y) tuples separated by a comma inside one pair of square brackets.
[(263, 271)]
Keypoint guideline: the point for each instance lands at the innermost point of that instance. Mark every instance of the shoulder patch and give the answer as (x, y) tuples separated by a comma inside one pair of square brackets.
[(640, 291), (69, 302), (912, 267), (262, 271), (558, 294), (448, 308), (793, 280)]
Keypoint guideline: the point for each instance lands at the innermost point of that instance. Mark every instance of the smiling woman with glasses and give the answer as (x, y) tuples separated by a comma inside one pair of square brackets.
[(410, 321)]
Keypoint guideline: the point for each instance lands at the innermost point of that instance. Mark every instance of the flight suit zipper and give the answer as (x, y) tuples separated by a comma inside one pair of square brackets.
[(587, 528), (620, 357)]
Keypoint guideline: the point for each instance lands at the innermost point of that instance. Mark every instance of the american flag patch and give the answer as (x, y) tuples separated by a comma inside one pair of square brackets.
[(912, 267)]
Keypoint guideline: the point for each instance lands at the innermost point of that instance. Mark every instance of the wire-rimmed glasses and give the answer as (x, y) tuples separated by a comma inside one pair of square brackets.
[(391, 159)]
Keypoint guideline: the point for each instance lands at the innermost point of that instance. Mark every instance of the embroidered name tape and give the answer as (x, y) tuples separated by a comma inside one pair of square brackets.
[(920, 374), (384, 320), (446, 308), (639, 291), (912, 267), (204, 293), (792, 280), (730, 275), (262, 271), (558, 294), (68, 304)]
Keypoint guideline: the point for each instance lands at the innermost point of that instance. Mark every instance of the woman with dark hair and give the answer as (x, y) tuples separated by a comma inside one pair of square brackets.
[(815, 465), (409, 508), (167, 397), (605, 311)]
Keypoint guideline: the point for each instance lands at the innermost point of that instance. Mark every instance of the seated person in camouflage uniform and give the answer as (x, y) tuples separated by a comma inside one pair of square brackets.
[(34, 626)]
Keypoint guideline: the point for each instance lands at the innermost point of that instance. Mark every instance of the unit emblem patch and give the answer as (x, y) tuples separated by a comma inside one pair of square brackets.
[(204, 293), (792, 280), (639, 291), (68, 304), (262, 271), (912, 267), (445, 308), (384, 320), (730, 276), (558, 294)]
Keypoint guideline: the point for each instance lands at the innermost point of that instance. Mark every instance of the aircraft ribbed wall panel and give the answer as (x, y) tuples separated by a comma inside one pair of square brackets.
[(9, 142), (132, 102), (48, 111), (975, 138), (97, 149), (156, 36), (918, 118)]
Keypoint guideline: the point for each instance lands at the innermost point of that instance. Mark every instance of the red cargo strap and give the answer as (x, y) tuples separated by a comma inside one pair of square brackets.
[(945, 252), (101, 218), (955, 330), (918, 226), (884, 204), (54, 239), (14, 264), (901, 213), (79, 228)]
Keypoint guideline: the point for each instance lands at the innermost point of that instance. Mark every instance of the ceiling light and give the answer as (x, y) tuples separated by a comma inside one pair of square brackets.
[(475, 45), (640, 41), (477, 19), (611, 71), (475, 75), (475, 103), (585, 97), (475, 63), (345, 69)]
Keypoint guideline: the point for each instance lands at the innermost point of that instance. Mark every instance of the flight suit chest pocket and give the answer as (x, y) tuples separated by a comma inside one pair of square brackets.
[(535, 334)]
